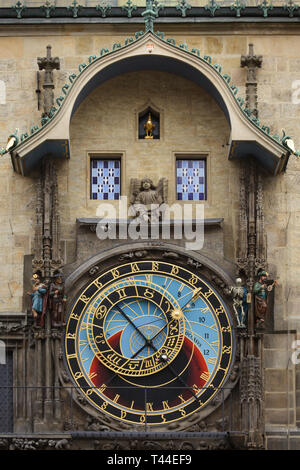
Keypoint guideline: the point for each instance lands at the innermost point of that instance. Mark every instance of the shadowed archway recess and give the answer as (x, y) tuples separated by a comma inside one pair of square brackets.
[(149, 52)]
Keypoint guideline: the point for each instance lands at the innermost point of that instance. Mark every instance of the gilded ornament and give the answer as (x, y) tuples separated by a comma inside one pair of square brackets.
[(149, 128)]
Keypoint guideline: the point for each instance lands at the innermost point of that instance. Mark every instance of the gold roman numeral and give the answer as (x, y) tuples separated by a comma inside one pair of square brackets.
[(121, 293), (212, 360), (204, 376)]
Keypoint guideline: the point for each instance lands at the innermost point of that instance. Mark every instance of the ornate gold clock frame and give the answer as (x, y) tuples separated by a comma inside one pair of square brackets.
[(108, 281)]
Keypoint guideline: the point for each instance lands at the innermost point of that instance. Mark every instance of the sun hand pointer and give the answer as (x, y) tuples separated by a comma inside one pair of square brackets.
[(195, 296)]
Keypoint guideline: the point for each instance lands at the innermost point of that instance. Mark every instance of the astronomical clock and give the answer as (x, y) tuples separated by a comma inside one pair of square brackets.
[(149, 342)]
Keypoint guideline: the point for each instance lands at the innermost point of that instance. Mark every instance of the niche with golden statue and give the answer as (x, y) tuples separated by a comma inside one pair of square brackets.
[(149, 124)]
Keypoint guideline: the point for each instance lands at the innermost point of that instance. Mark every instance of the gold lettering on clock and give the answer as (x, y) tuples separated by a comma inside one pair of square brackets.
[(204, 309), (134, 267), (225, 329), (115, 273), (212, 360), (73, 315), (99, 339), (78, 375), (204, 376), (133, 365), (98, 283), (121, 293), (208, 294), (71, 336), (92, 375), (148, 293), (148, 363), (114, 358), (193, 280), (101, 312), (175, 270), (220, 310), (72, 356), (149, 406), (181, 398), (155, 266), (84, 298), (170, 342)]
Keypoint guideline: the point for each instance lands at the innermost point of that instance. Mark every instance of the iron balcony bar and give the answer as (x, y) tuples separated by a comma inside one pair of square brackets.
[(224, 426)]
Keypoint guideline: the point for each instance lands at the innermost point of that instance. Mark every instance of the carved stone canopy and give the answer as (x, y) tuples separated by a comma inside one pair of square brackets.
[(247, 138)]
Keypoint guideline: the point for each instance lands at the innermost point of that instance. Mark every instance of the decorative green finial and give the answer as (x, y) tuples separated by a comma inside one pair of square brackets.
[(19, 7), (104, 7), (265, 7), (75, 7), (157, 6), (238, 7), (183, 6), (149, 15), (212, 6), (47, 7), (129, 7), (290, 6)]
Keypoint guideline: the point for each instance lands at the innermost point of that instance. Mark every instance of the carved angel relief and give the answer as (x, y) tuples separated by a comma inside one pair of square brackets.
[(147, 200)]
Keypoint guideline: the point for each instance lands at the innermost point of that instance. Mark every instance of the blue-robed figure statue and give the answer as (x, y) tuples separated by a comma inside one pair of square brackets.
[(38, 299)]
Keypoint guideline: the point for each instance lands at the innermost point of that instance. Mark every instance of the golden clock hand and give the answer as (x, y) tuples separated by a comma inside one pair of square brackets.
[(195, 296)]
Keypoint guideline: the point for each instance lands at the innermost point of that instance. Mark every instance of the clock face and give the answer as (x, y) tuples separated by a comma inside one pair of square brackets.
[(149, 342)]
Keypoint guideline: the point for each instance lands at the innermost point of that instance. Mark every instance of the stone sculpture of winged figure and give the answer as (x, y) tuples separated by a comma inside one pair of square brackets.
[(147, 200)]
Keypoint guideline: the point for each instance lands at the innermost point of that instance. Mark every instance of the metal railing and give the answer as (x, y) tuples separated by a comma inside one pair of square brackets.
[(22, 406), (141, 3)]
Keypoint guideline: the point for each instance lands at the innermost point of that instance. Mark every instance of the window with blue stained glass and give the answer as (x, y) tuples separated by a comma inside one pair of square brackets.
[(105, 179), (191, 179)]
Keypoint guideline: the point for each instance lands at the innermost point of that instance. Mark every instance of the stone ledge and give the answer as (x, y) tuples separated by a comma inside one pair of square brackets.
[(90, 222)]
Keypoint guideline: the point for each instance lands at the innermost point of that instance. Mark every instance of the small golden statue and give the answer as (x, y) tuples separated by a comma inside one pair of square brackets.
[(149, 127)]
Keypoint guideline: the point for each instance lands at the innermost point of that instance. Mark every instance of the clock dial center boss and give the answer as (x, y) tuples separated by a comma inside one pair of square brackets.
[(149, 341)]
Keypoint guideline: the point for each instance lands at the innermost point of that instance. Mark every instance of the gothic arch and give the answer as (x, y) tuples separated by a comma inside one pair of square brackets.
[(154, 53)]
